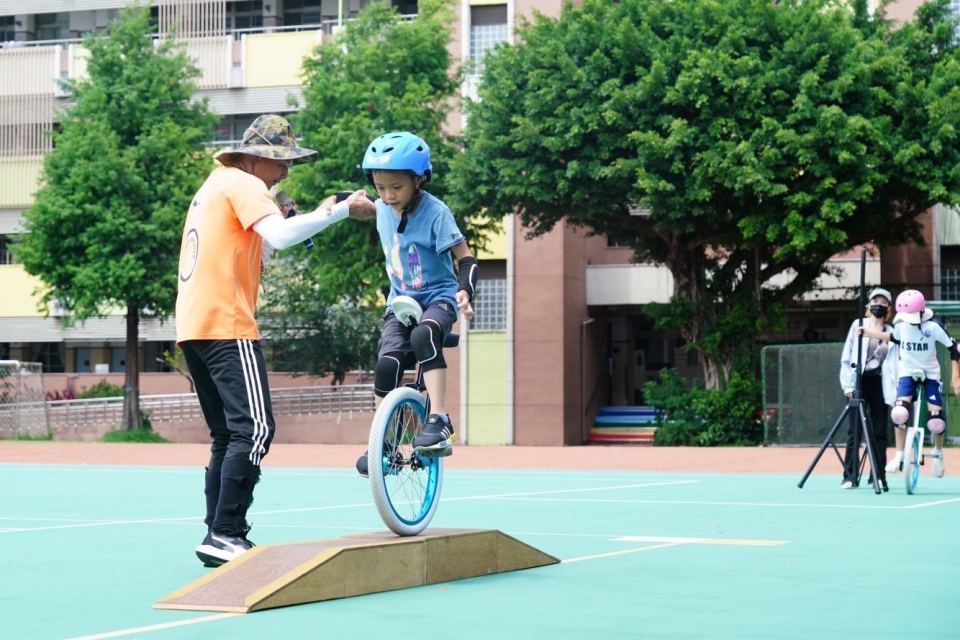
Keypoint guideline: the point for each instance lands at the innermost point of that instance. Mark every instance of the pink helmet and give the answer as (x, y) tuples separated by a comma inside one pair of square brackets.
[(910, 301), (911, 308)]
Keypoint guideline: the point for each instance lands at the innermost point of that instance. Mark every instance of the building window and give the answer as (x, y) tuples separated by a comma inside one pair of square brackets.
[(8, 31), (488, 28), (245, 15), (6, 255), (490, 305), (950, 284), (301, 12), (50, 354), (622, 240), (955, 8), (53, 26)]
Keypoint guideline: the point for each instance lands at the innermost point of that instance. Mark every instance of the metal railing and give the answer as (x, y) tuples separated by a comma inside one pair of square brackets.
[(326, 26), (179, 407)]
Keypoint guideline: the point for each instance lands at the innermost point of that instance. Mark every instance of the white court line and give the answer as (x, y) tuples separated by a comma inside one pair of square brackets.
[(623, 552), (105, 523), (542, 493), (722, 504), (930, 504), (158, 627), (28, 519)]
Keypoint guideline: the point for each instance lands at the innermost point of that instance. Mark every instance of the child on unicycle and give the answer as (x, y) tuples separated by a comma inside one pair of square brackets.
[(917, 335), (418, 234)]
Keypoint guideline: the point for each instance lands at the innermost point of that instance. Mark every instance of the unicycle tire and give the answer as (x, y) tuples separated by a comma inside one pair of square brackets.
[(911, 461), (406, 485)]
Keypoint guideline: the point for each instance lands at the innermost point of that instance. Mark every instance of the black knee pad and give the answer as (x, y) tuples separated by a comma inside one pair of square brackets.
[(388, 373), (427, 342)]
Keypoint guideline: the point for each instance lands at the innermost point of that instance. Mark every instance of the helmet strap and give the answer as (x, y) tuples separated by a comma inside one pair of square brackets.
[(407, 210)]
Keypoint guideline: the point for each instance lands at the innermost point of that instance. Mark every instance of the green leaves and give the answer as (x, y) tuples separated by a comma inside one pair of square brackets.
[(784, 133), (313, 332), (379, 75), (105, 225)]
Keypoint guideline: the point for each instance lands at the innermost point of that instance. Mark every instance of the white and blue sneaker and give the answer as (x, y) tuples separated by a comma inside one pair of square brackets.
[(217, 548), (437, 437)]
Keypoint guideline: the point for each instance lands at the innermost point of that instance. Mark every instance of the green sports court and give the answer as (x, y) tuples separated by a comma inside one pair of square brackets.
[(88, 549)]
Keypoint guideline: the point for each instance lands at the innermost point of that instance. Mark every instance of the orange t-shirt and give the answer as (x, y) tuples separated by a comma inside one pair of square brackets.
[(220, 258)]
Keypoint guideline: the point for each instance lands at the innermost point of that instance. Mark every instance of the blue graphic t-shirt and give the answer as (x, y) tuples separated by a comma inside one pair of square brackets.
[(918, 348), (418, 260)]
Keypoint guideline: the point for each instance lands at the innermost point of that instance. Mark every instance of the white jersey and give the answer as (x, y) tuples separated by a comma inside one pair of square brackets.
[(918, 348)]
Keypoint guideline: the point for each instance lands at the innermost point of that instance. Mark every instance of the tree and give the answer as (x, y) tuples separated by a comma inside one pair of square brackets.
[(734, 142), (104, 230), (381, 74), (312, 332)]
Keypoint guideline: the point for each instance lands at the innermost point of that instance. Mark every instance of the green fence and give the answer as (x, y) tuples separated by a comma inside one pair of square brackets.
[(802, 397)]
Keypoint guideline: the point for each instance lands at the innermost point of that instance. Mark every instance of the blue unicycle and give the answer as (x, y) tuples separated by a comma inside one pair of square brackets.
[(406, 484), (913, 447)]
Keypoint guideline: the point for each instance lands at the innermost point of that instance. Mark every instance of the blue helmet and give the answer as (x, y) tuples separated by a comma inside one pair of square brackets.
[(399, 151)]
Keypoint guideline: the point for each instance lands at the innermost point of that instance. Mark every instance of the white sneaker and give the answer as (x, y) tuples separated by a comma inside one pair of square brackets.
[(846, 485), (937, 455), (894, 465)]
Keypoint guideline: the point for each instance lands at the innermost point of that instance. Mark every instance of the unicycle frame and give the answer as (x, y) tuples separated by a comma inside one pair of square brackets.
[(412, 396), (916, 434)]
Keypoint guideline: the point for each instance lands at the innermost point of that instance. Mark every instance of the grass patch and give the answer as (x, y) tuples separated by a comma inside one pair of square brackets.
[(34, 437), (136, 435)]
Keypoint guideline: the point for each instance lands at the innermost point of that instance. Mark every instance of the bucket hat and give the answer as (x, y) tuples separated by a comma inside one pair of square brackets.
[(269, 136)]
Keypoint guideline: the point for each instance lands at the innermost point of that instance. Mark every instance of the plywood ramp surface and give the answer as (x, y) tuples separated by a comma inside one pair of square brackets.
[(286, 574)]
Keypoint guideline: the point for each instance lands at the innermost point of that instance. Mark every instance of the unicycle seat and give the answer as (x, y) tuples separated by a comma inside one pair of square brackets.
[(452, 340)]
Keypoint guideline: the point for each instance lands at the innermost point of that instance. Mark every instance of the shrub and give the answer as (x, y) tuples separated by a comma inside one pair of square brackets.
[(697, 417), (136, 435), (102, 389)]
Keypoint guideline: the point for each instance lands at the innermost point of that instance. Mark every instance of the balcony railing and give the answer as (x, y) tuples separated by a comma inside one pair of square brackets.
[(328, 27)]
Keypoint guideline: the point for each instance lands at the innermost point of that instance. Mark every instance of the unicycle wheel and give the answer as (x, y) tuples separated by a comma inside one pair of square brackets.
[(912, 459), (406, 485)]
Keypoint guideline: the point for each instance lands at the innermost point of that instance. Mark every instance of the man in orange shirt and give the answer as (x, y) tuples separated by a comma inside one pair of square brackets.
[(231, 220)]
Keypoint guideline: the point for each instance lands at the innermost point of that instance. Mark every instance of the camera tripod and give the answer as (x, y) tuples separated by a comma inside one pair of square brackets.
[(853, 412)]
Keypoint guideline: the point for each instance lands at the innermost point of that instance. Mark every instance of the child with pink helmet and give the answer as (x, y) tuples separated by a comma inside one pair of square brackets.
[(916, 335)]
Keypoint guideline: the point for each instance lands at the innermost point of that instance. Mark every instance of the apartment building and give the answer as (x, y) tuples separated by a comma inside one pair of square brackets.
[(560, 329)]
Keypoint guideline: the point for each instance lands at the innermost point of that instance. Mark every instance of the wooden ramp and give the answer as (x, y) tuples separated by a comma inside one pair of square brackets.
[(286, 574)]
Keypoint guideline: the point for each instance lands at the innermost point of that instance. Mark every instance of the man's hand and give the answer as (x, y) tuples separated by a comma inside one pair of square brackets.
[(850, 395), (360, 206), (955, 385), (463, 303)]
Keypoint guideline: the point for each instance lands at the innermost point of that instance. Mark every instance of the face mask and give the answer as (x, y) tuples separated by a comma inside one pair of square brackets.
[(878, 310)]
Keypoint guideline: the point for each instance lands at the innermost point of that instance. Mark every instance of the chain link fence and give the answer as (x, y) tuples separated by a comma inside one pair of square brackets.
[(23, 410), (802, 398)]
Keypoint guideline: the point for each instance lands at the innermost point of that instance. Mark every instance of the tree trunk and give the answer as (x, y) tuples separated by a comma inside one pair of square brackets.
[(689, 269), (131, 386)]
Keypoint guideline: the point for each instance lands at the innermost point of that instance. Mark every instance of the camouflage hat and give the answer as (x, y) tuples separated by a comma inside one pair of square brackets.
[(272, 137)]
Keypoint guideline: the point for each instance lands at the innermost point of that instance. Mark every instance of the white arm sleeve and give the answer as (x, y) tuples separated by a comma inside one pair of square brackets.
[(280, 232), (848, 370)]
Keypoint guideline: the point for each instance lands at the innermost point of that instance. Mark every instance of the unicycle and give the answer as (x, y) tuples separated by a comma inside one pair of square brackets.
[(913, 451), (913, 447), (406, 484)]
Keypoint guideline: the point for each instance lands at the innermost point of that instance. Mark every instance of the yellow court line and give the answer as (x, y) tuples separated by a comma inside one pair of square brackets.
[(746, 543)]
